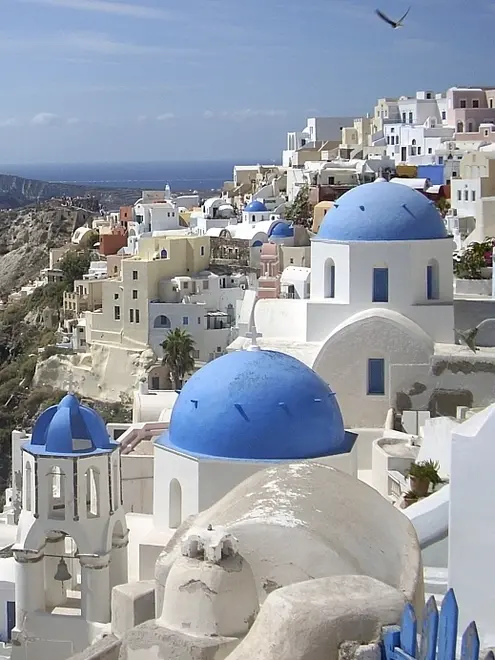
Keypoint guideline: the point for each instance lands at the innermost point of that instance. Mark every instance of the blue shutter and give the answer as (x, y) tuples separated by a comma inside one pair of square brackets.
[(380, 284), (376, 376), (332, 281), (429, 282)]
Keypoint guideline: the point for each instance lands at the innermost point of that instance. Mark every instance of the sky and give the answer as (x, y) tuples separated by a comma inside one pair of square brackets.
[(163, 80)]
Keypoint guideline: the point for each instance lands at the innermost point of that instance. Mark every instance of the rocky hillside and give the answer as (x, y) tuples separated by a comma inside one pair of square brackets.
[(15, 191), (27, 235)]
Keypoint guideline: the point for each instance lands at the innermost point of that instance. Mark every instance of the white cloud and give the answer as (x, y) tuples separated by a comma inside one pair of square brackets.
[(72, 121), (10, 122), (243, 115), (45, 119), (136, 10), (166, 116)]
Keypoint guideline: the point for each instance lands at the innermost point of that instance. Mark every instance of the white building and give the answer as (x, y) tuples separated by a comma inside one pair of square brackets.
[(317, 130), (380, 298)]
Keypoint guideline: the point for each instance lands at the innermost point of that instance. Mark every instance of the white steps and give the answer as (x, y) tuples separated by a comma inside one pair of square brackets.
[(436, 583)]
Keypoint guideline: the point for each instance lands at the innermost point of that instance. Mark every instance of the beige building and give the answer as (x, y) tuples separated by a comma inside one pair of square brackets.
[(86, 297)]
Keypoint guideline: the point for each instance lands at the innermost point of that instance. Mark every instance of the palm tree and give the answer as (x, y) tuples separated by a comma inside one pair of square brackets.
[(178, 349)]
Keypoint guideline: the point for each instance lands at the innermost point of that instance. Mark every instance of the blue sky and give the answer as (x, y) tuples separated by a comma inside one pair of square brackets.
[(108, 80)]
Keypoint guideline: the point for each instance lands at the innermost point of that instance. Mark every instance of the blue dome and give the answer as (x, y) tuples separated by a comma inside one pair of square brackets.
[(256, 207), (69, 429), (257, 406), (281, 230), (391, 212)]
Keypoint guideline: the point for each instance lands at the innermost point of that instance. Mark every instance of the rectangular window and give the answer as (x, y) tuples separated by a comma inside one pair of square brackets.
[(155, 382), (376, 376), (430, 150), (463, 103), (196, 354), (440, 160), (419, 151), (185, 320), (388, 139), (476, 103), (429, 282), (444, 115), (466, 195), (202, 251), (134, 294), (115, 296), (332, 281), (116, 313), (459, 195), (380, 284), (473, 195), (131, 315), (403, 117), (206, 284), (137, 315), (134, 274)]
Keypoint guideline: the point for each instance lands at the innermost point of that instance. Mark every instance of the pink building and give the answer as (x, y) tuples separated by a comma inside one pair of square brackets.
[(269, 281), (471, 111)]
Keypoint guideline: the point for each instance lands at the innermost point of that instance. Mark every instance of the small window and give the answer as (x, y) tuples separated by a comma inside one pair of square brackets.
[(195, 354), (137, 315), (430, 150), (206, 284), (444, 115), (403, 117), (490, 103), (115, 296), (463, 103), (459, 195), (454, 174), (419, 151), (155, 382), (380, 284), (376, 376), (392, 130), (134, 274), (131, 315), (116, 313), (476, 103), (473, 195), (388, 139), (134, 294), (185, 285), (440, 160), (185, 320), (466, 195), (202, 251), (199, 320), (413, 141), (410, 117), (486, 132)]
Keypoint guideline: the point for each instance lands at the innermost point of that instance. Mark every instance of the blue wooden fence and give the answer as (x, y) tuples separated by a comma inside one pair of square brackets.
[(437, 639)]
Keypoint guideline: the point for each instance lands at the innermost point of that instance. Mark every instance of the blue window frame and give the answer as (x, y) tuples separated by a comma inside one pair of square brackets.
[(185, 320), (380, 284), (332, 281), (429, 282), (376, 376)]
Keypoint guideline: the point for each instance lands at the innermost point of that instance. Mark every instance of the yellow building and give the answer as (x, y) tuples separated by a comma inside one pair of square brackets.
[(124, 316)]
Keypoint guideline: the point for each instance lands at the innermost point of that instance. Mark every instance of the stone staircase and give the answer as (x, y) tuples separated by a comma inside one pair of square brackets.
[(436, 583)]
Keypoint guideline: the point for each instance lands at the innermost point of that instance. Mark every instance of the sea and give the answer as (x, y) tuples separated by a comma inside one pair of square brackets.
[(181, 175)]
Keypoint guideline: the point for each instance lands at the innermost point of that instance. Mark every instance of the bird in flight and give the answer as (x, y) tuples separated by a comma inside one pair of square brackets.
[(393, 24)]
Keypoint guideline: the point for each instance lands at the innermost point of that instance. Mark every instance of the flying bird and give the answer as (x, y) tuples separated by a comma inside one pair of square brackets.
[(393, 24), (468, 337)]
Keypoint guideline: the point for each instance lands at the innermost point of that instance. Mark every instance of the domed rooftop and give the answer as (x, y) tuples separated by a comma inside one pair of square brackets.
[(69, 428), (257, 406), (255, 207), (281, 230), (391, 212)]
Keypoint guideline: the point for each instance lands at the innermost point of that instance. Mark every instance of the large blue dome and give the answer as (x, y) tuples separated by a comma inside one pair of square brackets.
[(382, 212), (257, 406), (281, 230), (255, 207), (69, 428)]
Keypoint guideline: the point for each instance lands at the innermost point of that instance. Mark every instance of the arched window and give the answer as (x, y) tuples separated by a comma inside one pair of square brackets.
[(175, 504), (92, 479), (460, 127), (413, 142), (28, 488), (163, 254), (470, 127), (162, 322), (329, 289), (432, 283), (56, 493)]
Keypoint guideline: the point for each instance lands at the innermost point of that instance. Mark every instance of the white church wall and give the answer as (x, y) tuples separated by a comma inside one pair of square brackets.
[(286, 319), (56, 636), (323, 256), (176, 490), (137, 483)]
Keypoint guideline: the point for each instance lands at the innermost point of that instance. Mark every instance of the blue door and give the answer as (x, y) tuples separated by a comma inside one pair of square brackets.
[(10, 619)]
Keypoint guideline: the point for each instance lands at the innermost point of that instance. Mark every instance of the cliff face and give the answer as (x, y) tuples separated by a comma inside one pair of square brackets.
[(15, 191), (26, 237)]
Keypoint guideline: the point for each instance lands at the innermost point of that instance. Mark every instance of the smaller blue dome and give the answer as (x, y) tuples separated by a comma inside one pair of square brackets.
[(257, 406), (389, 212), (69, 428), (281, 230), (255, 207)]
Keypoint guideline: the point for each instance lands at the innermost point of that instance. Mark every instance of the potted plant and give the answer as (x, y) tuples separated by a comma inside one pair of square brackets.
[(421, 475), (409, 498)]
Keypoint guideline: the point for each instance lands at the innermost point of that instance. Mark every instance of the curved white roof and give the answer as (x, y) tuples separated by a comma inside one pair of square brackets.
[(295, 274), (214, 231)]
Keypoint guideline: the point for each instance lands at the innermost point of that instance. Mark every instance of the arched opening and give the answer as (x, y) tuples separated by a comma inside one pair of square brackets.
[(164, 254), (62, 575), (28, 487), (56, 493), (470, 127), (162, 322), (432, 280), (413, 143), (329, 278), (257, 244), (174, 504), (460, 127), (92, 479)]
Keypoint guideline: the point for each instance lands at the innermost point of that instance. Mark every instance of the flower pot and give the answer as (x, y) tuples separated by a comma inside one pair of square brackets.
[(419, 485)]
